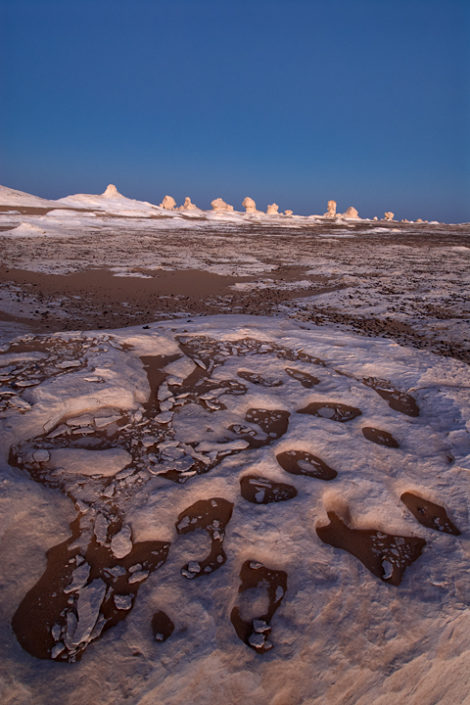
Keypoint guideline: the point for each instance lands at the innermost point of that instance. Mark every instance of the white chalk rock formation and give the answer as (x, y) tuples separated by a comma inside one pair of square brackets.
[(375, 217), (331, 212), (272, 209), (249, 205), (188, 205), (388, 215), (351, 212), (288, 212), (168, 203), (110, 191), (219, 205)]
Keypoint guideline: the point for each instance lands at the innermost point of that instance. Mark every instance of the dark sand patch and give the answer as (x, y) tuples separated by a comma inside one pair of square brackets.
[(331, 410), (210, 515), (262, 490), (305, 379), (379, 436), (429, 514), (84, 591), (385, 555), (255, 632), (299, 462), (398, 401), (255, 378), (162, 626), (265, 426)]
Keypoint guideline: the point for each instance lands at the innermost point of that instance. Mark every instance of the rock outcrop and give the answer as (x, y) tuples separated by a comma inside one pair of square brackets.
[(188, 205), (110, 191), (272, 209), (388, 215), (168, 203), (249, 205), (219, 205), (288, 212), (331, 212), (351, 212)]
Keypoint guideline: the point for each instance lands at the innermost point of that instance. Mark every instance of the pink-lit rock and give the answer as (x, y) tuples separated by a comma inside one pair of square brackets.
[(331, 212), (188, 205), (272, 209), (219, 205), (111, 191), (168, 203), (388, 215), (288, 212), (351, 212), (249, 205)]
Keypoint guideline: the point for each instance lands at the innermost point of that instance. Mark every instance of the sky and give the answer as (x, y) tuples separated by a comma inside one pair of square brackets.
[(366, 102)]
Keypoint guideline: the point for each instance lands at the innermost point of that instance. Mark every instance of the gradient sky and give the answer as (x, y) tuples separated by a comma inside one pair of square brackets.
[(297, 102)]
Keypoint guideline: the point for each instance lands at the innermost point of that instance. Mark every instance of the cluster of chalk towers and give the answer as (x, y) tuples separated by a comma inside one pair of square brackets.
[(220, 206)]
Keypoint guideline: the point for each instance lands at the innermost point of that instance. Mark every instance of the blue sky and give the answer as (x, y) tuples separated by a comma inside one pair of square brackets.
[(363, 101)]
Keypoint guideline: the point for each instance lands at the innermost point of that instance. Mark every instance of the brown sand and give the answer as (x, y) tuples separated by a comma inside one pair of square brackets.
[(385, 555), (97, 298), (429, 514), (305, 379), (331, 411), (399, 401), (262, 490), (255, 632), (211, 515), (162, 626), (51, 602), (265, 426), (382, 438), (299, 462)]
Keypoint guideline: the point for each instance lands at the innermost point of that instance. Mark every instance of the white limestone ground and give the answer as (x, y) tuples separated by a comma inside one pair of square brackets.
[(340, 634)]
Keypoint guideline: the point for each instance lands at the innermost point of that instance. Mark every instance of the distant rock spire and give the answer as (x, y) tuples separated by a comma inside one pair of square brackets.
[(351, 212), (388, 215), (188, 205), (249, 205), (168, 203), (219, 205), (272, 209), (331, 212), (111, 191)]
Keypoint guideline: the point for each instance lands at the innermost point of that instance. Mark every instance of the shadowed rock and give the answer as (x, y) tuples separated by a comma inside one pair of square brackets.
[(162, 626), (265, 426), (211, 515), (331, 411), (382, 438), (255, 631), (385, 555), (429, 514), (299, 462), (305, 379), (261, 490), (399, 401), (84, 591)]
